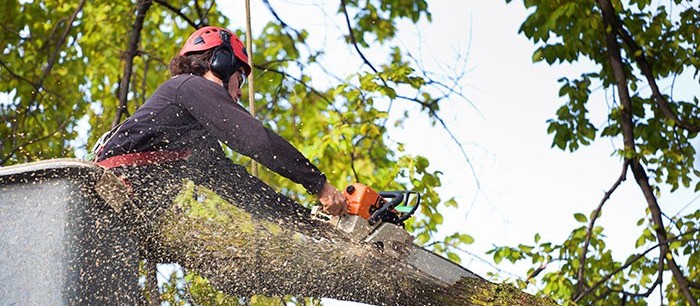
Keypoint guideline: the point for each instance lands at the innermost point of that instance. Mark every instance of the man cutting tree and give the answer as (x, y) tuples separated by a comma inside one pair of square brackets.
[(180, 127)]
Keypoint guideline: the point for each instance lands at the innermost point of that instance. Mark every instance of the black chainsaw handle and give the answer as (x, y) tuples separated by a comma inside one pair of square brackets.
[(404, 216), (396, 198)]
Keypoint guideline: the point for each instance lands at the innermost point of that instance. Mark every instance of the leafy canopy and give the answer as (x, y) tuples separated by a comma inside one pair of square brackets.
[(635, 46)]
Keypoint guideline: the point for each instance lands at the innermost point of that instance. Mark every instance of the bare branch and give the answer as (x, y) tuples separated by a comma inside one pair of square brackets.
[(537, 271), (31, 141), (177, 12), (429, 106), (629, 263), (49, 65), (264, 69), (282, 23), (203, 16), (198, 10), (591, 223), (343, 5), (16, 76)]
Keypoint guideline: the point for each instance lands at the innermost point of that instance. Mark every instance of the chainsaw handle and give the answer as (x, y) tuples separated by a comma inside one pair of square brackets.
[(396, 199), (404, 216)]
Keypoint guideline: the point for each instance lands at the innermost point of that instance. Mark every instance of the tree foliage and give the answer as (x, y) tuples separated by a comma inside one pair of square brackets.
[(71, 65), (635, 46)]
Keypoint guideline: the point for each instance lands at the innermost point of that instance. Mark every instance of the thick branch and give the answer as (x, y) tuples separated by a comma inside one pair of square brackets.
[(661, 235), (129, 55), (637, 53), (271, 248), (591, 223), (627, 122)]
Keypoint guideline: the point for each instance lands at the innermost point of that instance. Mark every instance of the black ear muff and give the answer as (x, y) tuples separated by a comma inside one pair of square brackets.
[(223, 63)]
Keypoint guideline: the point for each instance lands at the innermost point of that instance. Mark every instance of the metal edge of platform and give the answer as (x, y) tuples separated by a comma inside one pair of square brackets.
[(50, 168)]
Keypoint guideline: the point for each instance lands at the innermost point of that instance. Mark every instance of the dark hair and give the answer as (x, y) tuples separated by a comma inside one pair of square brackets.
[(193, 63)]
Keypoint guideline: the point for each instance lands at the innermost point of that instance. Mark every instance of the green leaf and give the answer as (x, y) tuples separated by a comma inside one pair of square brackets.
[(454, 257), (466, 239), (580, 217)]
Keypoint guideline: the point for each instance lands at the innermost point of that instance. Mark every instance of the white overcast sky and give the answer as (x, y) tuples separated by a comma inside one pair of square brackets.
[(526, 187)]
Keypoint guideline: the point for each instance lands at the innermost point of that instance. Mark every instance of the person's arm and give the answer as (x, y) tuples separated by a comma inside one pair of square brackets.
[(211, 105)]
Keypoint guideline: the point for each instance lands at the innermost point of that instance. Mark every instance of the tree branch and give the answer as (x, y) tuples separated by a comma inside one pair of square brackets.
[(637, 53), (16, 76), (277, 17), (627, 122), (130, 54), (629, 263), (323, 97), (430, 107), (591, 223), (204, 16), (351, 33), (177, 12), (49, 65), (28, 142)]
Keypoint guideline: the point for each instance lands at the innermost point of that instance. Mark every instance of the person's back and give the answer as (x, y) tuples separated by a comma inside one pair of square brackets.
[(162, 124), (188, 115)]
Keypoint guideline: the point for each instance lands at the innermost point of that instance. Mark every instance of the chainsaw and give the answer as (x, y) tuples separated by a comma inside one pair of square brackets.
[(380, 206), (377, 219)]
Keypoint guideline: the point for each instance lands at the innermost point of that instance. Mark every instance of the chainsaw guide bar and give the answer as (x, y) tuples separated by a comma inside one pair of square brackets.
[(376, 219)]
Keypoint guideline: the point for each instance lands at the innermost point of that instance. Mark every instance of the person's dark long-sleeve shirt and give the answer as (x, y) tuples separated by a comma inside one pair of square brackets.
[(192, 113)]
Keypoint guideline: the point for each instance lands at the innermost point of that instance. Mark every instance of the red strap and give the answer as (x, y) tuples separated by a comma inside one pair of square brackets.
[(143, 158)]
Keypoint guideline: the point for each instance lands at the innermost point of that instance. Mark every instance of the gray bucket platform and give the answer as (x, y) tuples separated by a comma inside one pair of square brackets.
[(60, 242)]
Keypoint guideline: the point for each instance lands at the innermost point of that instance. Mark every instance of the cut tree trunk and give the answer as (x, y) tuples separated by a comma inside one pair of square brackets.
[(274, 247), (263, 245)]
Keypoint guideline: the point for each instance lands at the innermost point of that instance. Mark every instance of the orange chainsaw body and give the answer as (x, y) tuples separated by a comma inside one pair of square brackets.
[(362, 200)]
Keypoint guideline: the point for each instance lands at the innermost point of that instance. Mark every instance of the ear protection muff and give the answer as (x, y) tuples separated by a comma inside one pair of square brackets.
[(223, 63)]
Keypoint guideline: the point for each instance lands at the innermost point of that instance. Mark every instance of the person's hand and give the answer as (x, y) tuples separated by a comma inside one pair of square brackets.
[(333, 202)]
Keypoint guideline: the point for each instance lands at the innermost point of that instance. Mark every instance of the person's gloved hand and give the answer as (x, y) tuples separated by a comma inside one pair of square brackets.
[(333, 202)]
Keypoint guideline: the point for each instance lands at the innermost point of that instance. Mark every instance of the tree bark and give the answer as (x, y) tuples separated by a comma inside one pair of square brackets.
[(249, 253), (627, 123), (129, 56)]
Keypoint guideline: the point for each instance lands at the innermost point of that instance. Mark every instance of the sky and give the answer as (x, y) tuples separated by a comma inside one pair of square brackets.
[(523, 186)]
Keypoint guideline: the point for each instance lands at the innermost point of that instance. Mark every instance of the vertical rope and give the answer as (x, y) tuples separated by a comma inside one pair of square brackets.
[(251, 88)]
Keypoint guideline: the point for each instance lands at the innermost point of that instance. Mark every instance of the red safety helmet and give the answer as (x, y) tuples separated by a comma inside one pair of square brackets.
[(209, 37)]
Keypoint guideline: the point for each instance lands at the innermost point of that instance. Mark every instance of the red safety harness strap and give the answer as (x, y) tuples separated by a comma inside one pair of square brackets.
[(143, 158)]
